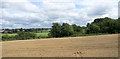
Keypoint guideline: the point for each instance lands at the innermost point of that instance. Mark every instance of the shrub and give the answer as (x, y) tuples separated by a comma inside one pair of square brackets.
[(20, 36), (8, 38), (25, 35)]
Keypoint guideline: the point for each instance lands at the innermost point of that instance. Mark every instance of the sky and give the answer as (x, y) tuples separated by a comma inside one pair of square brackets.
[(42, 13)]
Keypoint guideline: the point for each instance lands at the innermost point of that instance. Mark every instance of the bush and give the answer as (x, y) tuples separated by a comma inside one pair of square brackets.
[(20, 36), (8, 38), (5, 37), (25, 35)]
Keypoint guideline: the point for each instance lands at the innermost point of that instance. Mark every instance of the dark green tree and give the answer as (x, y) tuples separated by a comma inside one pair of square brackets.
[(56, 30), (66, 30), (74, 27), (93, 29)]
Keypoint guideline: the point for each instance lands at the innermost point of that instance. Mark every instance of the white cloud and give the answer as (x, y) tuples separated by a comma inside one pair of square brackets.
[(21, 5), (58, 1), (25, 13)]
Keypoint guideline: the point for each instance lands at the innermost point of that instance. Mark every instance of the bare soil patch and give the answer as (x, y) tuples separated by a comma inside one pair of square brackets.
[(84, 46)]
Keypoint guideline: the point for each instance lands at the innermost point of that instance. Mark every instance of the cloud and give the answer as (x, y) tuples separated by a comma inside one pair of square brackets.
[(19, 5), (42, 13)]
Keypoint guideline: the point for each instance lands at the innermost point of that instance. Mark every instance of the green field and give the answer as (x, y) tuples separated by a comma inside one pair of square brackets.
[(9, 34), (44, 34)]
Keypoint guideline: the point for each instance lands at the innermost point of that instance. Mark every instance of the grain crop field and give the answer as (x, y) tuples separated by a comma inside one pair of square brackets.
[(84, 46)]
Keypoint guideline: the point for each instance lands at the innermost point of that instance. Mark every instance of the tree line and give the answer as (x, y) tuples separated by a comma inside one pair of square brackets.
[(65, 29), (36, 30), (104, 25), (99, 25)]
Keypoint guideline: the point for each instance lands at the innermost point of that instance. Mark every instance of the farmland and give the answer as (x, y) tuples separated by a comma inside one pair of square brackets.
[(83, 46), (40, 34), (10, 34)]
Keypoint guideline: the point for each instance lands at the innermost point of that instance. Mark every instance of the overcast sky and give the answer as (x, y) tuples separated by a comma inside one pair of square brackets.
[(42, 13)]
